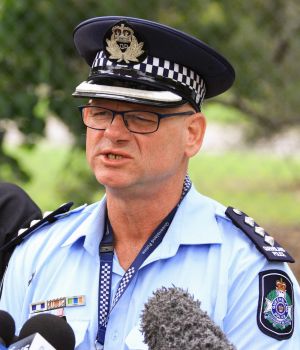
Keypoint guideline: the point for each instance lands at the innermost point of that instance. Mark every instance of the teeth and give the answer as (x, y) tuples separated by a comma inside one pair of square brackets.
[(114, 156)]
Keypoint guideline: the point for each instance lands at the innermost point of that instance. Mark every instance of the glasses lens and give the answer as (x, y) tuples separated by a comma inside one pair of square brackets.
[(141, 121), (96, 117)]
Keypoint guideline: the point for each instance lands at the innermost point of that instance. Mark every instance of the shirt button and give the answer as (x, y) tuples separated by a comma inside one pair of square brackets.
[(115, 336)]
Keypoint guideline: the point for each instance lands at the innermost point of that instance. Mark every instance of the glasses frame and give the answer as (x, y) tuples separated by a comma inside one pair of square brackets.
[(122, 113)]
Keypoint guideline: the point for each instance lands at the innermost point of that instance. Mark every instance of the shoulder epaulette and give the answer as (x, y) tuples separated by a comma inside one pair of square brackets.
[(265, 243), (48, 218)]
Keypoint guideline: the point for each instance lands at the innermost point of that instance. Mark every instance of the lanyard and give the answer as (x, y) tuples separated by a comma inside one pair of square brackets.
[(106, 252)]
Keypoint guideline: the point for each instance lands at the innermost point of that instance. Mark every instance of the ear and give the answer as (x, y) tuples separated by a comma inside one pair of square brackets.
[(196, 126)]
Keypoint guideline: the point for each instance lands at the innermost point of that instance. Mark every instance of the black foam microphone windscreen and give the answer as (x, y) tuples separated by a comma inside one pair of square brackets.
[(53, 328), (172, 319), (7, 327)]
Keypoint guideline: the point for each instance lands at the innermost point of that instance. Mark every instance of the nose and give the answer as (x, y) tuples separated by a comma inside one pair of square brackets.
[(119, 120), (117, 129)]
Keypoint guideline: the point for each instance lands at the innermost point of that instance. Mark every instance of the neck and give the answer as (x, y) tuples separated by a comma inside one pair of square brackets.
[(135, 216)]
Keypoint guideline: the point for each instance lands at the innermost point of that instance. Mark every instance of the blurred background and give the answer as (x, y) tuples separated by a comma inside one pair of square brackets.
[(250, 158)]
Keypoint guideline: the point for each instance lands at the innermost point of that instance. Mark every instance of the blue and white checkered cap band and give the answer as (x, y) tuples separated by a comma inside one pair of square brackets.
[(158, 68)]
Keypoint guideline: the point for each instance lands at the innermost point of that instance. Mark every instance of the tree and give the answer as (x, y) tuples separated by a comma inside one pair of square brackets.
[(260, 39), (40, 68)]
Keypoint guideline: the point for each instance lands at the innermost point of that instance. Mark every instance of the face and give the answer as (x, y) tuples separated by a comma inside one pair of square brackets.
[(124, 160)]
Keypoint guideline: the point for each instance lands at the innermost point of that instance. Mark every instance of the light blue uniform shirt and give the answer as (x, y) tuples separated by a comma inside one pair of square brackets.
[(202, 252)]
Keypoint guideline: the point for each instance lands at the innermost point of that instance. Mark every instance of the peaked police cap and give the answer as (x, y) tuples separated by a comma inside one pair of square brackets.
[(142, 61)]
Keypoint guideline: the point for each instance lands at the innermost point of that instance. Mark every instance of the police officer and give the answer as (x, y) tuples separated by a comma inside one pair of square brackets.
[(99, 264)]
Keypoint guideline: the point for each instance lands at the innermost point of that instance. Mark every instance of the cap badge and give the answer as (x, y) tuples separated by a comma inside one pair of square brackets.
[(124, 45)]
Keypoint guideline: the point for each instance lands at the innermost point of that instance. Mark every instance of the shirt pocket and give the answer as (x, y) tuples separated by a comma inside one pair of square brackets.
[(135, 340), (80, 328)]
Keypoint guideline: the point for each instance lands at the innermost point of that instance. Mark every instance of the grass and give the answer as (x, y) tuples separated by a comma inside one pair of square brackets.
[(265, 187), (44, 165)]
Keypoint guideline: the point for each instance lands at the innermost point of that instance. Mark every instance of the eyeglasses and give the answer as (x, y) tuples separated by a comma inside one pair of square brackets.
[(140, 122)]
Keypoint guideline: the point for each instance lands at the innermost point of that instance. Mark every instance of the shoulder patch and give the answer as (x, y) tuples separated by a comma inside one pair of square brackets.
[(275, 313), (265, 243), (48, 218)]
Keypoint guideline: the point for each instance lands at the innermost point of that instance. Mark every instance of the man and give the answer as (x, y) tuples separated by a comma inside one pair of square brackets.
[(99, 264)]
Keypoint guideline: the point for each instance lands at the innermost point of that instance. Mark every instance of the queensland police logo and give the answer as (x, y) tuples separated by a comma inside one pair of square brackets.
[(275, 311), (123, 44), (278, 307)]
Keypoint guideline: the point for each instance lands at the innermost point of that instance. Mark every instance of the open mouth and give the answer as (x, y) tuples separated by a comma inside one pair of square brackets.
[(114, 156)]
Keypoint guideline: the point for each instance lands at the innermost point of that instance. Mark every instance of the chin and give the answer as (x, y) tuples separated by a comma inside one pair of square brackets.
[(112, 181)]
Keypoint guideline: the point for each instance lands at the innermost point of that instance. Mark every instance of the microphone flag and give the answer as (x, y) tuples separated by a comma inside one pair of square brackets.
[(32, 342)]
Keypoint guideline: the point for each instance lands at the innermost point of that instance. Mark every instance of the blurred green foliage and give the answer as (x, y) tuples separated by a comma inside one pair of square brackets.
[(264, 186), (40, 66)]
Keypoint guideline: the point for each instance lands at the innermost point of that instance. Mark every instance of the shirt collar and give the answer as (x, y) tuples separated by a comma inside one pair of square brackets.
[(92, 228), (195, 223)]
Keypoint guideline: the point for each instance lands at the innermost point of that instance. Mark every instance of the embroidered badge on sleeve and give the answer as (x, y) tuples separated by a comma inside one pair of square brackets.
[(275, 315)]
